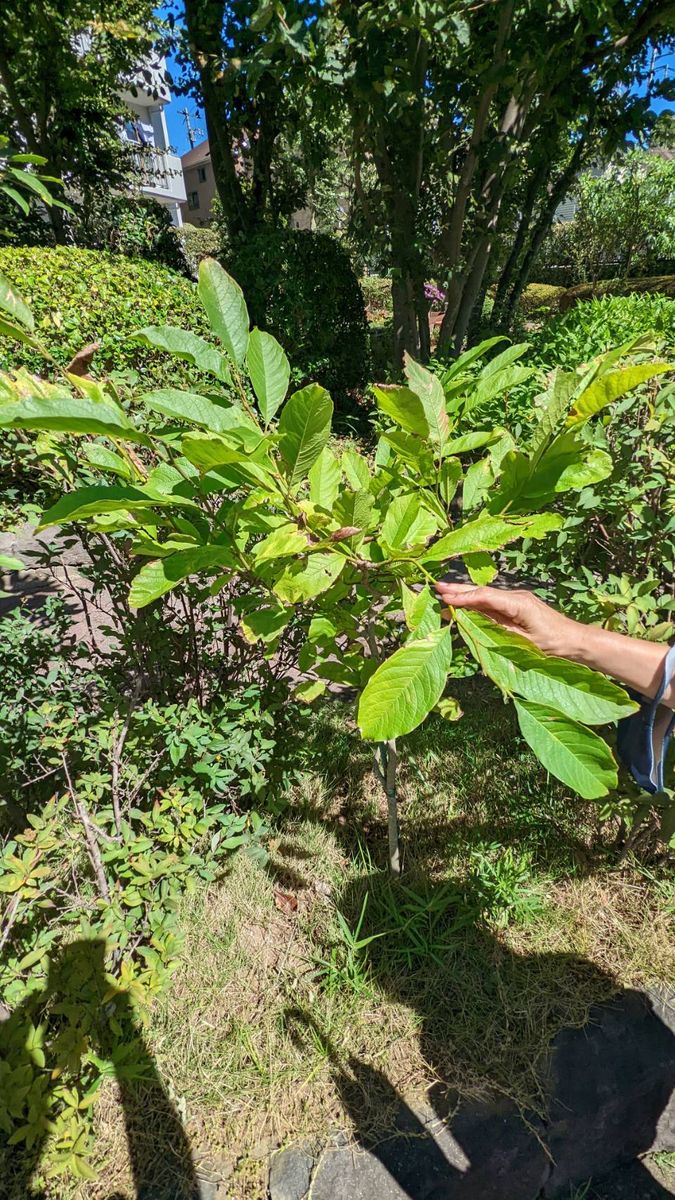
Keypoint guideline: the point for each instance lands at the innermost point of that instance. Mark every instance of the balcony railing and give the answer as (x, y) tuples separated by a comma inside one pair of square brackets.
[(161, 173)]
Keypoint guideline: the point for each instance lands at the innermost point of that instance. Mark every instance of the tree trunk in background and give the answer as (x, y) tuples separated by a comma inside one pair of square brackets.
[(536, 184), (538, 231), (204, 22)]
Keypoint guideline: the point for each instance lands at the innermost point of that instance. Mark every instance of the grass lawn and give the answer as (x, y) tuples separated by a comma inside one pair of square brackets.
[(512, 918)]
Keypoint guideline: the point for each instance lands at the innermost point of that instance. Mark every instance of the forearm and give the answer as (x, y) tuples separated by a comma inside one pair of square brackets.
[(634, 662)]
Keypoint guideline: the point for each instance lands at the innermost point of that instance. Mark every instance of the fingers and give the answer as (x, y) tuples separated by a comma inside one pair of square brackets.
[(465, 595)]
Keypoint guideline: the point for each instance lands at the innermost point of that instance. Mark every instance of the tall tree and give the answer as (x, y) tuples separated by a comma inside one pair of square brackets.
[(62, 63), (247, 71)]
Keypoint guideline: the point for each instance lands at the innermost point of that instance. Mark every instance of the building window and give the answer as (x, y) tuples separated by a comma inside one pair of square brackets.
[(193, 200), (201, 174)]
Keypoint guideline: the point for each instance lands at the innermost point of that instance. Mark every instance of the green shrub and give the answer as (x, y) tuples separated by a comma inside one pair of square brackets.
[(660, 285), (539, 297), (136, 226), (198, 242), (301, 287), (376, 292), (83, 296), (596, 325)]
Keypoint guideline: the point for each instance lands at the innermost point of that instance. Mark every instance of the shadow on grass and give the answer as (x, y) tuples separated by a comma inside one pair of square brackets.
[(83, 1014), (487, 1014), (487, 1019), (463, 786)]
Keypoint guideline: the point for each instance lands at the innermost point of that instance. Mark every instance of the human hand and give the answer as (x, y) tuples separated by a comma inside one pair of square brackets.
[(520, 612)]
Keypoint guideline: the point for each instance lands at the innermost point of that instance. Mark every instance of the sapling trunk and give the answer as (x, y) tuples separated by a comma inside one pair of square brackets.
[(387, 776)]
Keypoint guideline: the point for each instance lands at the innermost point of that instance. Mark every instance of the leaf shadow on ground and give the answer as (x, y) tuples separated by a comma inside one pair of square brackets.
[(84, 1013), (476, 999)]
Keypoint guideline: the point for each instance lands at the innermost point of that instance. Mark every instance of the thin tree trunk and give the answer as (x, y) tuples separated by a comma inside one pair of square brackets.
[(204, 26), (389, 756), (536, 183), (539, 231)]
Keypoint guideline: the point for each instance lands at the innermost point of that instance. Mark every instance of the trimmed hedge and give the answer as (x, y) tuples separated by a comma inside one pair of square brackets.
[(537, 296), (82, 296), (301, 287), (661, 285)]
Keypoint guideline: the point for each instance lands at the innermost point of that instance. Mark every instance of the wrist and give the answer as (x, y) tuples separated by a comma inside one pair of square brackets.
[(571, 639)]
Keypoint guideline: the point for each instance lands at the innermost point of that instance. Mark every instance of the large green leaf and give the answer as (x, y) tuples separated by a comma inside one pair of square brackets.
[(407, 523), (265, 624), (487, 532), (304, 580), (404, 407), (421, 610), (356, 470), (225, 307), (269, 371), (354, 509), (305, 428), (185, 345), (428, 387), (470, 356), (517, 665), (93, 501), (405, 688), (283, 542), (324, 480), (610, 387), (195, 409), (575, 755), (570, 688), (157, 578), (13, 303), (61, 412), (107, 460)]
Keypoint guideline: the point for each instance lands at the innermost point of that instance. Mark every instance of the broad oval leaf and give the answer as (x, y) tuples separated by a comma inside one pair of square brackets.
[(405, 688), (324, 480), (304, 428), (305, 579), (157, 578), (575, 755), (269, 371), (404, 407), (407, 523), (12, 302), (225, 307), (93, 501), (185, 345), (428, 387), (61, 412), (195, 409), (487, 532), (284, 542), (610, 387)]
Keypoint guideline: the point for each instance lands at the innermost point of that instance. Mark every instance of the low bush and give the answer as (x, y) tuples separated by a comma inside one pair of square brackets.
[(198, 242), (84, 296), (598, 324), (540, 299), (136, 226), (301, 287), (376, 293), (660, 285)]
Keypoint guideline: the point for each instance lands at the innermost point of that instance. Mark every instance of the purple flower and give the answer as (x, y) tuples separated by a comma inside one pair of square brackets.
[(431, 292)]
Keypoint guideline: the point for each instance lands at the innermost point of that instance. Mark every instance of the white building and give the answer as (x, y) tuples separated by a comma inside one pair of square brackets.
[(161, 171)]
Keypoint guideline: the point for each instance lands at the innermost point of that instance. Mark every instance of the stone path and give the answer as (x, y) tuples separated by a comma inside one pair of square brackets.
[(611, 1086)]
